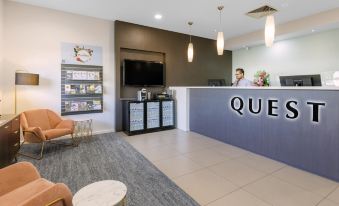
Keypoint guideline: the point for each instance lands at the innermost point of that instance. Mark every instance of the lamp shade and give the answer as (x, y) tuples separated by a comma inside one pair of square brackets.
[(190, 52), (269, 31), (220, 43), (26, 79)]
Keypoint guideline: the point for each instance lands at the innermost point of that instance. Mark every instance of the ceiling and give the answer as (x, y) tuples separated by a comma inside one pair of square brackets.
[(204, 13)]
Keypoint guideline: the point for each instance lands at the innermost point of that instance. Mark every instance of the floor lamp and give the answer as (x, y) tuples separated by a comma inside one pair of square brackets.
[(25, 79)]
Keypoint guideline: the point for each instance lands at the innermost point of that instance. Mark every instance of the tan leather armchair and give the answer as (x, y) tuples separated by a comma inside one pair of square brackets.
[(21, 184), (43, 125)]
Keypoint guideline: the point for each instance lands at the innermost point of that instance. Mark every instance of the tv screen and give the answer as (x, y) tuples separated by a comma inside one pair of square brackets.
[(143, 73)]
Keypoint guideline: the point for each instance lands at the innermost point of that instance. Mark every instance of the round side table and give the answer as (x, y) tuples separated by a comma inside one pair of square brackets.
[(103, 193)]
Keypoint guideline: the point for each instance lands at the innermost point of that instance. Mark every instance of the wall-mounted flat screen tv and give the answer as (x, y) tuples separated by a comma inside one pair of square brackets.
[(143, 73)]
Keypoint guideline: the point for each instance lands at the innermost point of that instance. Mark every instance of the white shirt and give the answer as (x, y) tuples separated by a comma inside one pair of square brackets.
[(242, 83)]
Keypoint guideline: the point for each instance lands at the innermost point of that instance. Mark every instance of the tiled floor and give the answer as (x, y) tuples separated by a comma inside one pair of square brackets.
[(217, 174)]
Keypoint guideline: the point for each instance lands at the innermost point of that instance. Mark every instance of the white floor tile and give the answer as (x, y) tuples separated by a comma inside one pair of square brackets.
[(334, 196), (159, 153), (261, 163), (237, 172), (239, 198), (328, 203), (177, 166), (230, 151), (280, 193), (308, 181), (204, 186), (206, 157), (209, 141), (189, 146)]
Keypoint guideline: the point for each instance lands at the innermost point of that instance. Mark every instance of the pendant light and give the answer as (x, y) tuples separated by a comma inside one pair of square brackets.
[(190, 52), (220, 37), (269, 30), (266, 11)]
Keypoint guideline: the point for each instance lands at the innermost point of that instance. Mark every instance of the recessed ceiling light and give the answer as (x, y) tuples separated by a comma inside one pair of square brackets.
[(158, 16)]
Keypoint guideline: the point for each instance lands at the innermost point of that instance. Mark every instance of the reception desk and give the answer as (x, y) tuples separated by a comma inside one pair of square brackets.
[(297, 126)]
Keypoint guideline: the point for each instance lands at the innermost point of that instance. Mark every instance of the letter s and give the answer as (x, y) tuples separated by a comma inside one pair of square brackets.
[(292, 109)]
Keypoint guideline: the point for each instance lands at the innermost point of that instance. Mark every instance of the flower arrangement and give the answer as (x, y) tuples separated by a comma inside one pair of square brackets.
[(262, 79)]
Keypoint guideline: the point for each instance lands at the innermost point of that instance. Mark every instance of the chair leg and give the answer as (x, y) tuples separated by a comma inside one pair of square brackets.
[(74, 142), (62, 200), (32, 156)]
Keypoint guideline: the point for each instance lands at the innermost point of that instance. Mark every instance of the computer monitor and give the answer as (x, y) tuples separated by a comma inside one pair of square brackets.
[(301, 80)]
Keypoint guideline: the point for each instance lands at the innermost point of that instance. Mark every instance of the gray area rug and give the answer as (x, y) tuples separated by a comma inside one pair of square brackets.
[(105, 157)]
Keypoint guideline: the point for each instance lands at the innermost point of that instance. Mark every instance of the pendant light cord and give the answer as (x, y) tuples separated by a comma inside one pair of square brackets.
[(220, 19), (220, 8), (190, 25), (190, 33)]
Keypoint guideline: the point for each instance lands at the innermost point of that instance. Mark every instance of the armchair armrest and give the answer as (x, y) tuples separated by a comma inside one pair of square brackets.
[(34, 134), (66, 124), (58, 195), (17, 175)]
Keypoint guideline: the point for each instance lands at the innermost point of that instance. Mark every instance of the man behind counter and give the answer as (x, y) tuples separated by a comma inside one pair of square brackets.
[(240, 79)]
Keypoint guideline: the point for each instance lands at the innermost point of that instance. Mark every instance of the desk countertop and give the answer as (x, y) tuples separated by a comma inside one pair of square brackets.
[(263, 88), (4, 119)]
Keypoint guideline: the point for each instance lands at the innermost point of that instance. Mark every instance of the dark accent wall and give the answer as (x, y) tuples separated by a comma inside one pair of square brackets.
[(140, 42)]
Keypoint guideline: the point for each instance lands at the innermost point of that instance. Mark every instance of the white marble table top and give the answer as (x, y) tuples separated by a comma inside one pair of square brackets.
[(103, 193)]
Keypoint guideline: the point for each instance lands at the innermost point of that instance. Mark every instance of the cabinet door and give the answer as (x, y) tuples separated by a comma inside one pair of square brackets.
[(167, 113), (153, 115), (136, 116), (5, 131), (14, 138)]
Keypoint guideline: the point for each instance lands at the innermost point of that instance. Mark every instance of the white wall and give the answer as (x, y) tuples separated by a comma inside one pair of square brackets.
[(1, 50), (314, 54), (33, 38), (181, 95)]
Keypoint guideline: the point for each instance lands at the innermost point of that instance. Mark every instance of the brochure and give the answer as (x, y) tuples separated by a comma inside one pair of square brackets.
[(75, 106), (69, 75), (98, 89), (96, 105)]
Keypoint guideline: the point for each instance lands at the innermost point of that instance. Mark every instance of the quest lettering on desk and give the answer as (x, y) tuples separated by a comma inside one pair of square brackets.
[(238, 105)]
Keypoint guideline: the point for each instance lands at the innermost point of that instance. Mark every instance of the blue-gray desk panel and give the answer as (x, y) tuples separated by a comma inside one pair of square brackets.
[(300, 142)]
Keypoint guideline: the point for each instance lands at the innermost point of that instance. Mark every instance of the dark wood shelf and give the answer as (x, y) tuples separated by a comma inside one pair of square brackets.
[(9, 139)]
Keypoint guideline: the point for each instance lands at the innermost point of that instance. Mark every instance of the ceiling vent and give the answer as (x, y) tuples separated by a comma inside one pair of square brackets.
[(261, 12)]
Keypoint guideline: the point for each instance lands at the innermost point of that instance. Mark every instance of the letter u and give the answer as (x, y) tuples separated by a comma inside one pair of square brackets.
[(251, 106)]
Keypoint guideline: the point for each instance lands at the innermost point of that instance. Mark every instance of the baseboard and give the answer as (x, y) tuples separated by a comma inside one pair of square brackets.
[(103, 131)]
